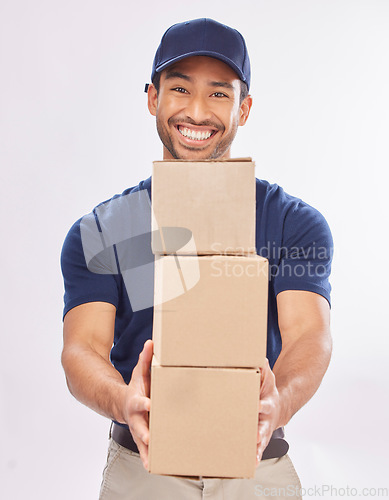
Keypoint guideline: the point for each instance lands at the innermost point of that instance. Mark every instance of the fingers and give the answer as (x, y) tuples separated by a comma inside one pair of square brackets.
[(143, 366), (264, 432), (266, 406), (144, 454), (140, 404), (140, 429), (267, 376), (141, 435), (263, 439), (147, 354), (260, 450), (139, 421), (265, 369)]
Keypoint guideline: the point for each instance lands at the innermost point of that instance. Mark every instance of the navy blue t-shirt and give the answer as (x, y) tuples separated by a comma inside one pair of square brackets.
[(107, 257)]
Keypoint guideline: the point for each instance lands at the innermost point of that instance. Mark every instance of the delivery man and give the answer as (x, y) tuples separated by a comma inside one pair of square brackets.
[(200, 96)]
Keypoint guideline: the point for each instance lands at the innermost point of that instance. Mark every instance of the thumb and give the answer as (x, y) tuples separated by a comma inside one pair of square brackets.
[(145, 357)]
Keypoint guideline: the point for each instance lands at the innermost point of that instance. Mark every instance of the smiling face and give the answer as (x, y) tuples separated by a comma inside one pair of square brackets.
[(198, 109)]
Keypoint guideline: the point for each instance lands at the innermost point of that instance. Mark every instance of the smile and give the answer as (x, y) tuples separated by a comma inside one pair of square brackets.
[(195, 135)]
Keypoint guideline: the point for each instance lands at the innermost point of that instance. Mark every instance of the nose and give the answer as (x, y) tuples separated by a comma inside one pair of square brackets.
[(198, 109)]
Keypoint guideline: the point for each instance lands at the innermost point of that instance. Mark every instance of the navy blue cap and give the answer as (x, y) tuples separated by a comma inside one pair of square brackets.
[(203, 37)]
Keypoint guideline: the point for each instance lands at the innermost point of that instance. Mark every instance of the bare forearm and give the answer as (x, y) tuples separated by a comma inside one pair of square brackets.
[(93, 381), (299, 371)]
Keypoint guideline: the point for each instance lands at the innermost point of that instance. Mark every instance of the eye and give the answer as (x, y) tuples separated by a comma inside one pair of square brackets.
[(219, 94), (181, 90)]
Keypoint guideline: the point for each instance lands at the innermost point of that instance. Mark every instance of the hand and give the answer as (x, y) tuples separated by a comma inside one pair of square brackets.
[(269, 409), (137, 402)]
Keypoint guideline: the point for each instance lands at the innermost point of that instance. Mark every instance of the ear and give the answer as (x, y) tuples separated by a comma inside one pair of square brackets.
[(152, 99), (244, 110)]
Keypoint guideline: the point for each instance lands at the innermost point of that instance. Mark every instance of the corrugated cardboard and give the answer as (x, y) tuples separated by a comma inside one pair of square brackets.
[(203, 421), (203, 207), (210, 310)]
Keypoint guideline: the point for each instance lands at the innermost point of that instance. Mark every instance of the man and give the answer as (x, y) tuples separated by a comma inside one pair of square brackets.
[(199, 96)]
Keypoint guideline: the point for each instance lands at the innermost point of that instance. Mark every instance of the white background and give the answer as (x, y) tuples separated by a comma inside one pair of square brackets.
[(75, 130)]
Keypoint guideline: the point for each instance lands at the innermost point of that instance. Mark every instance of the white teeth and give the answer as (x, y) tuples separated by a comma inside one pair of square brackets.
[(195, 135)]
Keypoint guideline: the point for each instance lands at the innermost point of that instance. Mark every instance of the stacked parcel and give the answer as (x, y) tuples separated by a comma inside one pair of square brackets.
[(210, 319)]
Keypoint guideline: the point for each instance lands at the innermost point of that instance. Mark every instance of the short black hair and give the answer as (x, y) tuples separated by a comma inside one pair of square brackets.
[(244, 91)]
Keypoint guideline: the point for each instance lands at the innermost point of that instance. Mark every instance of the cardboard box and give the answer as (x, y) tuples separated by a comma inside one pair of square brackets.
[(203, 421), (210, 310), (203, 207)]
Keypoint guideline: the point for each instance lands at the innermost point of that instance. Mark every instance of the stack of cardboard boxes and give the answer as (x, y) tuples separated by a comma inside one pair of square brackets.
[(210, 319)]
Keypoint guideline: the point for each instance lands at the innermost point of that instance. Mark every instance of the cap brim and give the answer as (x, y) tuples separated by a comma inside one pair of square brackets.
[(208, 53)]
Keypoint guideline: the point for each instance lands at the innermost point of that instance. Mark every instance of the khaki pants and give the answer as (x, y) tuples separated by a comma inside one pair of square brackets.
[(125, 478)]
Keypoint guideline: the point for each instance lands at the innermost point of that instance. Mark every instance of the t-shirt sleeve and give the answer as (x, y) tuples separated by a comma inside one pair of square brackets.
[(81, 284), (306, 252)]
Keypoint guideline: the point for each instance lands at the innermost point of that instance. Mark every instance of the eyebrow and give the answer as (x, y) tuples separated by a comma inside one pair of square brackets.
[(226, 85), (176, 74)]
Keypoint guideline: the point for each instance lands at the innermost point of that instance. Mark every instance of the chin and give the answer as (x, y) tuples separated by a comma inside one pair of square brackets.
[(199, 154), (195, 155)]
